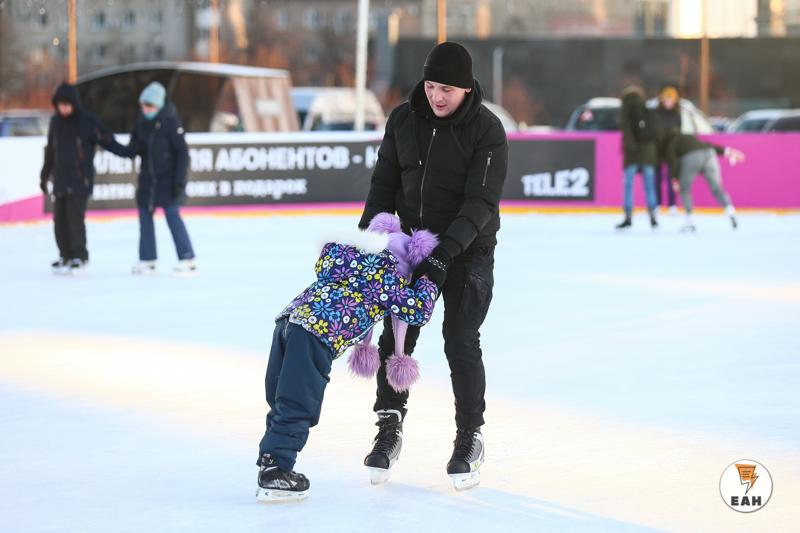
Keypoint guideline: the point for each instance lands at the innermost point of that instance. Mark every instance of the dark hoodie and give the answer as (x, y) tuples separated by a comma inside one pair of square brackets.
[(442, 174), (165, 158), (635, 152), (71, 142)]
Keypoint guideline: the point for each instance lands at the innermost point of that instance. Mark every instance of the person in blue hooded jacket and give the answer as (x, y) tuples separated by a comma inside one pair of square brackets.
[(72, 138), (158, 137)]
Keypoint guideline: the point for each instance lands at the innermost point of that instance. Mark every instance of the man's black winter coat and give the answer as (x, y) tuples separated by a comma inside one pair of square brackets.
[(71, 142), (444, 175)]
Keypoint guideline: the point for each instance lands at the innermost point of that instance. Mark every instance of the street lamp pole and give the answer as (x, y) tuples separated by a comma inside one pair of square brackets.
[(361, 64), (213, 32), (72, 44), (704, 58), (441, 21)]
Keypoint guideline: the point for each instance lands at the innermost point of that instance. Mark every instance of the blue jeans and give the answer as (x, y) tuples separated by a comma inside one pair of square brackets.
[(297, 374), (649, 175), (147, 234)]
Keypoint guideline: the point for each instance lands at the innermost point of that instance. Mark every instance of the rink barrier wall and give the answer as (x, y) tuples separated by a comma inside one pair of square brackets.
[(330, 172)]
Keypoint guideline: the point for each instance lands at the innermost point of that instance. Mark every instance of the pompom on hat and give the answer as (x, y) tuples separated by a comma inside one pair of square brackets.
[(402, 370)]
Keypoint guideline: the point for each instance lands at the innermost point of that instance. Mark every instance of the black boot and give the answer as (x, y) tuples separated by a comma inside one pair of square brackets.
[(625, 223), (465, 463), (386, 446), (653, 219), (276, 485)]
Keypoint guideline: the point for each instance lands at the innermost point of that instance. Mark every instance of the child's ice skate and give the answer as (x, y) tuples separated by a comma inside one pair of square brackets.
[(276, 485)]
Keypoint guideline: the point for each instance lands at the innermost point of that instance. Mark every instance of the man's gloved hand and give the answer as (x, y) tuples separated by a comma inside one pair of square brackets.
[(43, 186), (434, 267)]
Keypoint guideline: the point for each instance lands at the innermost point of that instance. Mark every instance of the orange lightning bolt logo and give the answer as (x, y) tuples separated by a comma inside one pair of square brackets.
[(747, 475)]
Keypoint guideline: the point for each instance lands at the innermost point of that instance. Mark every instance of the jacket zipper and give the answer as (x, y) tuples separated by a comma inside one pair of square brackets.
[(425, 173), (78, 166), (486, 170), (157, 126)]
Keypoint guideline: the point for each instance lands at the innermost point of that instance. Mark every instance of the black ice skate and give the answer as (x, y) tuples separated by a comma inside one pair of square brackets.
[(465, 463), (59, 266), (386, 446), (276, 485), (75, 266), (625, 224), (653, 219)]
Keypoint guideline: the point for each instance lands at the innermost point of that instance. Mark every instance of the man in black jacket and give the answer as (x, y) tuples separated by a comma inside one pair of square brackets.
[(668, 115), (69, 160), (441, 166)]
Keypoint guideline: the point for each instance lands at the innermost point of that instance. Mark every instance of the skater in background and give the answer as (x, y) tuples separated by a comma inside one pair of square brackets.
[(687, 156), (360, 280), (158, 138), (640, 151), (668, 116), (69, 161), (441, 166)]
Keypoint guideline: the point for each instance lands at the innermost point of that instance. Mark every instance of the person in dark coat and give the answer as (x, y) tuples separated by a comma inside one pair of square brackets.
[(69, 161), (668, 116), (441, 166), (639, 135), (158, 138)]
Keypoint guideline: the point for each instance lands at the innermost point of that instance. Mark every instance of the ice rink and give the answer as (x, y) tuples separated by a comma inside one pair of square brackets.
[(625, 372)]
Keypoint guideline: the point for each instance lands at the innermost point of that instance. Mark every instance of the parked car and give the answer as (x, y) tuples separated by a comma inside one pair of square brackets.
[(758, 120), (788, 122), (720, 124), (208, 96), (24, 122), (334, 109), (602, 114)]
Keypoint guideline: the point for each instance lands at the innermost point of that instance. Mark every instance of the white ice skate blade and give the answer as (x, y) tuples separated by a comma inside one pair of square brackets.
[(379, 476), (184, 273), (465, 481), (279, 496)]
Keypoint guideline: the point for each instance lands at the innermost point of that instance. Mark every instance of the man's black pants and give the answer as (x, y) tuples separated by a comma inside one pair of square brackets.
[(467, 294), (69, 213)]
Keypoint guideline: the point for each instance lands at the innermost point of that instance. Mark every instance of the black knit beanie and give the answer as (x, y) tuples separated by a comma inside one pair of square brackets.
[(449, 63)]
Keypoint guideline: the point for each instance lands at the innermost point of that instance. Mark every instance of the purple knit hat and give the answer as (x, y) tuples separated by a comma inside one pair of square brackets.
[(402, 370)]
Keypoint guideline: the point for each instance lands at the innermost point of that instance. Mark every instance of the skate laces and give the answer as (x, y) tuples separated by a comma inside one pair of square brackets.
[(386, 439), (463, 443)]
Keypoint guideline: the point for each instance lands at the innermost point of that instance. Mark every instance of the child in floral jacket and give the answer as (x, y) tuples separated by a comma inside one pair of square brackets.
[(358, 284)]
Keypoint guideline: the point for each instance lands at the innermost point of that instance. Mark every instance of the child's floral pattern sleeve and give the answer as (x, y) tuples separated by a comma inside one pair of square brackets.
[(325, 262), (413, 305)]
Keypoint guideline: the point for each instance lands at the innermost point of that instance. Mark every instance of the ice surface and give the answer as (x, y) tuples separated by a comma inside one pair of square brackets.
[(625, 372)]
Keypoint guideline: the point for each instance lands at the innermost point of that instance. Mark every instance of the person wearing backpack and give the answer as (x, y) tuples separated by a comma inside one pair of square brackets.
[(640, 151)]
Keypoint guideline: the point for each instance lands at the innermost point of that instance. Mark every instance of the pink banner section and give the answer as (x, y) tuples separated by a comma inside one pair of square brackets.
[(767, 179)]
